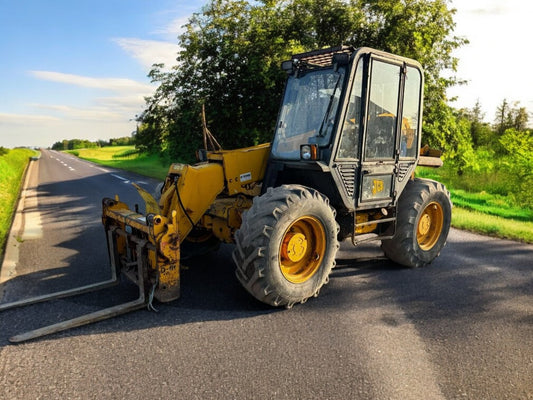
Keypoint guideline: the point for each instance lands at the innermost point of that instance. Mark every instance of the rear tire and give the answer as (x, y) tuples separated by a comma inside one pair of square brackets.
[(286, 246), (199, 242), (422, 226)]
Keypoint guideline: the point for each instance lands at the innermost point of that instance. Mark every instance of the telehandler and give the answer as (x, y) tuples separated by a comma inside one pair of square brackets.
[(341, 165)]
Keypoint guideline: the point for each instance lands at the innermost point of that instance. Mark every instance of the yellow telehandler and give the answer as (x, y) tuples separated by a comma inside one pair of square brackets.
[(341, 165)]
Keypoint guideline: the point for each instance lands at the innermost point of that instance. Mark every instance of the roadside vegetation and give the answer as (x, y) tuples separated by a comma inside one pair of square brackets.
[(484, 212), (127, 158), (12, 164), (490, 179)]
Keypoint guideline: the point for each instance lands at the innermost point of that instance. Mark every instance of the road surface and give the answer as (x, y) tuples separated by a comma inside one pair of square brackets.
[(461, 328)]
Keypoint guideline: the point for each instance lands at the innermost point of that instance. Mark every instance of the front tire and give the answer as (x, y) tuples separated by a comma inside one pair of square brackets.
[(286, 246), (422, 226)]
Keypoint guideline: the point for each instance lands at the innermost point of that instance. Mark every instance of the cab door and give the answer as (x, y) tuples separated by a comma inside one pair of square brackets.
[(380, 150)]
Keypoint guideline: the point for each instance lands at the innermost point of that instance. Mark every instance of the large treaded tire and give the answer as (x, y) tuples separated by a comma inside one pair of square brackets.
[(199, 243), (282, 217), (423, 223)]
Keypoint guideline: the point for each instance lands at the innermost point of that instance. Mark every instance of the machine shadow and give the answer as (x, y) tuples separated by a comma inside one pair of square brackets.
[(209, 292), (483, 279)]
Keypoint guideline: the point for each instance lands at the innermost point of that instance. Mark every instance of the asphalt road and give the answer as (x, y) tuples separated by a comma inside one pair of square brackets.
[(461, 328)]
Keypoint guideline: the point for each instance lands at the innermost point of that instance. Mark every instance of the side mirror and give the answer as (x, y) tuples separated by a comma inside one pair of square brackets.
[(287, 66)]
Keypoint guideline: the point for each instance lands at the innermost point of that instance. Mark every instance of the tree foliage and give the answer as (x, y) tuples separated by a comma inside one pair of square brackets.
[(231, 52), (519, 161), (74, 144), (510, 117)]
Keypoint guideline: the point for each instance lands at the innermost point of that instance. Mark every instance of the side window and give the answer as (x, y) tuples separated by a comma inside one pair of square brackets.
[(349, 147), (411, 114), (382, 110)]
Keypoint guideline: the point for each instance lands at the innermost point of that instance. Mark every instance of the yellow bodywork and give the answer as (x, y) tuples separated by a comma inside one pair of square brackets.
[(190, 191), (243, 168), (217, 185), (157, 238), (211, 195)]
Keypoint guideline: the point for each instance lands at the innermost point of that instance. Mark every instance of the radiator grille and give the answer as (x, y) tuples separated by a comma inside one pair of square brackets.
[(403, 169), (348, 178)]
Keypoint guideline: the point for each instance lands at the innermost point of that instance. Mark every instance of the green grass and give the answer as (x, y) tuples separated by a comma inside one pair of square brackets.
[(485, 204), (127, 153), (148, 165), (492, 225), (12, 166)]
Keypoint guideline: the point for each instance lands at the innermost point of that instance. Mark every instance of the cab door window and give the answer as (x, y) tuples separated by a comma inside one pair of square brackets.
[(382, 111), (349, 147), (411, 113)]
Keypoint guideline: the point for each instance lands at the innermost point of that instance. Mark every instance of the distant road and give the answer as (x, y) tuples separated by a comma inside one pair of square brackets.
[(461, 328)]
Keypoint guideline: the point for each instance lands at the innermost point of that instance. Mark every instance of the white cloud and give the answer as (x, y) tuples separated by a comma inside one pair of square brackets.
[(174, 28), (25, 119), (149, 52), (86, 113), (114, 84), (124, 105)]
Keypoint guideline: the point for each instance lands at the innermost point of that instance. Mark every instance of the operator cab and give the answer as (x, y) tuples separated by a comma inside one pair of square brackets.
[(349, 126)]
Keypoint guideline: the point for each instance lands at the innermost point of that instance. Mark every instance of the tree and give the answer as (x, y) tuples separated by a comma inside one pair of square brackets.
[(521, 118), (480, 131), (231, 52), (503, 119), (510, 116), (519, 161)]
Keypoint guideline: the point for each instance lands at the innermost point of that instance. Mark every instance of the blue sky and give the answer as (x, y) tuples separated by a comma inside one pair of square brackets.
[(78, 69)]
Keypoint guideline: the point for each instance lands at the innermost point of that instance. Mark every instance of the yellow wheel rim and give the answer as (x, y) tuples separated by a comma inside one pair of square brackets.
[(430, 226), (302, 249)]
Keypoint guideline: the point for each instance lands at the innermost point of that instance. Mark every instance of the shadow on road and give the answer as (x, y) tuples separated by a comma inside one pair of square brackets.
[(469, 278), (475, 279)]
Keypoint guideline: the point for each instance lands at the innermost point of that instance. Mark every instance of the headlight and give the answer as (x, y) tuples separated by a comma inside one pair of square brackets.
[(308, 152), (305, 152)]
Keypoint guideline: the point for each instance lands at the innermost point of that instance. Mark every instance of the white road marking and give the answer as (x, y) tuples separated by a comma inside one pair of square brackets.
[(119, 177)]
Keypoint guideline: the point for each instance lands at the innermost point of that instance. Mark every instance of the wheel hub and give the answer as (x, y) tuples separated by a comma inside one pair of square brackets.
[(430, 226), (424, 225), (294, 247), (302, 249)]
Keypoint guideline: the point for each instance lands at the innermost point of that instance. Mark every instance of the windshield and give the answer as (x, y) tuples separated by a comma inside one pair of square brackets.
[(308, 111)]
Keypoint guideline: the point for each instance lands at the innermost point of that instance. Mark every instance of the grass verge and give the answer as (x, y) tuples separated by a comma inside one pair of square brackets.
[(12, 165), (122, 157), (492, 225), (482, 211)]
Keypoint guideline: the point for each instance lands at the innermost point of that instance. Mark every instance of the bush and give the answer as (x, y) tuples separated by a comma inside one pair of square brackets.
[(127, 153), (518, 162)]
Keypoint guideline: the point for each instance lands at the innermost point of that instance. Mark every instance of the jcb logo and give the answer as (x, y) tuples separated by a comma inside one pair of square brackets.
[(377, 186)]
